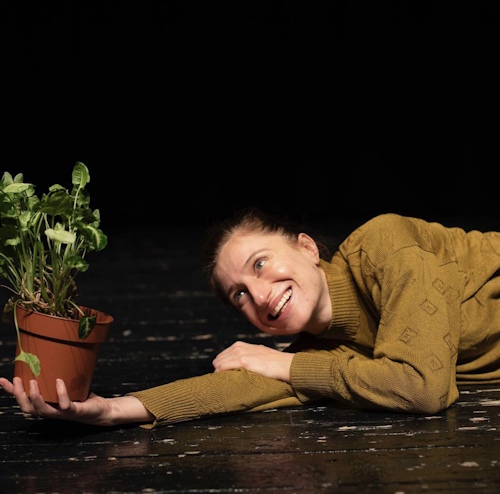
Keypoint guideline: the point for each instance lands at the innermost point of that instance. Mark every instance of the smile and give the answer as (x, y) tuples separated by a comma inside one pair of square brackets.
[(282, 303)]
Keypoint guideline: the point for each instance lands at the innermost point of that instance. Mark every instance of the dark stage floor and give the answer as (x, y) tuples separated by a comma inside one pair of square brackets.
[(168, 325)]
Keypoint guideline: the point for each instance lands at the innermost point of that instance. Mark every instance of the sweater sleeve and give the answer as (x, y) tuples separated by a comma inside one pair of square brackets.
[(412, 364), (217, 393)]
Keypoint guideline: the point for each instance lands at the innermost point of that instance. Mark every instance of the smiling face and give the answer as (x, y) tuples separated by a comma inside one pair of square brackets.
[(276, 283)]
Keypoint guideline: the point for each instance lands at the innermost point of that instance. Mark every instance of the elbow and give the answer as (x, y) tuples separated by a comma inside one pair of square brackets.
[(426, 399), (423, 391), (426, 407)]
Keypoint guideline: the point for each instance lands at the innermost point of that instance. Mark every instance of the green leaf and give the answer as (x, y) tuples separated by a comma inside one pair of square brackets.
[(16, 188), (57, 203), (81, 175), (76, 262), (99, 239), (62, 236), (86, 326), (24, 219), (30, 359), (7, 179), (13, 241)]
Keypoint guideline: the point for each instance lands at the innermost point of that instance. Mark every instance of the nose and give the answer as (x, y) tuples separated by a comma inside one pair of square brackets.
[(259, 290)]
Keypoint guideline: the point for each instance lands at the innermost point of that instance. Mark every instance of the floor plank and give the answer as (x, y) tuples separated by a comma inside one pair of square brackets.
[(167, 326)]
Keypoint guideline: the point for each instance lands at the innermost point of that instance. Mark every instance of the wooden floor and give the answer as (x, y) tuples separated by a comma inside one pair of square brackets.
[(167, 326)]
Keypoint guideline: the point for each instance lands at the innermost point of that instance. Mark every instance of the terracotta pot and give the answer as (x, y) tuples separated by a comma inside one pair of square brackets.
[(62, 354)]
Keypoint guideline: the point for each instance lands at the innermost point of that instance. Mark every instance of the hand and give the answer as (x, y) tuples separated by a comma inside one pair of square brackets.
[(256, 358), (95, 410)]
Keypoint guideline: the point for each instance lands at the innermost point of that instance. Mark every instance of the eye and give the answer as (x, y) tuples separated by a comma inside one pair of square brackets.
[(259, 264), (239, 294)]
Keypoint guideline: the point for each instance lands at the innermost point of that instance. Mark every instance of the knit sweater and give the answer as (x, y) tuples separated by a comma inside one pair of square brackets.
[(415, 310)]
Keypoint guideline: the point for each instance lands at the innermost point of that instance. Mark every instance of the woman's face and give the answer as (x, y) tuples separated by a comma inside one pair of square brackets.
[(275, 283)]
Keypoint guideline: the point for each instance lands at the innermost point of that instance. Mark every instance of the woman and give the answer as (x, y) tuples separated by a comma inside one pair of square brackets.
[(403, 311)]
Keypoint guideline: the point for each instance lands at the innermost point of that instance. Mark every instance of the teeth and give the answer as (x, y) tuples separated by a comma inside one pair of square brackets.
[(282, 302)]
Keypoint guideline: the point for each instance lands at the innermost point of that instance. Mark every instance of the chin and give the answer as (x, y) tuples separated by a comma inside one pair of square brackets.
[(274, 331), (284, 332)]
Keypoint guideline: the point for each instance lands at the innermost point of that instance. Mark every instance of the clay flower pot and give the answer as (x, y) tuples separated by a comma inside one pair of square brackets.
[(62, 354)]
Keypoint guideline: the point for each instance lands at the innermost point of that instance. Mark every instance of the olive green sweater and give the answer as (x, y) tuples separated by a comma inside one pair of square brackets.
[(416, 309)]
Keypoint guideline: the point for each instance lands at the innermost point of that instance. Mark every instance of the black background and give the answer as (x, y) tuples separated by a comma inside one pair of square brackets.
[(186, 110)]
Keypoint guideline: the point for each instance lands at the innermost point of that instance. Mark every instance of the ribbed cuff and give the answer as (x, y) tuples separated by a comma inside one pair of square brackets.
[(311, 375), (169, 402)]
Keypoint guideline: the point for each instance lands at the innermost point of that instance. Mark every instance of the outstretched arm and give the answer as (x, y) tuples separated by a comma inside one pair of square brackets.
[(96, 410), (232, 388)]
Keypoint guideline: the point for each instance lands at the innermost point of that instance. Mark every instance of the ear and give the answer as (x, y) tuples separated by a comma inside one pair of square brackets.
[(308, 243)]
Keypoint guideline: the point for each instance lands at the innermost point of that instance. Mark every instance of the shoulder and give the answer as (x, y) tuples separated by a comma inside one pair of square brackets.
[(388, 232), (388, 226), (390, 221)]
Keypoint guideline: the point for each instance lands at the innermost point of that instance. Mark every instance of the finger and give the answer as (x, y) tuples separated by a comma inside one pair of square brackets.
[(38, 402), (65, 402), (222, 354), (227, 363), (228, 352), (35, 397), (18, 388), (232, 348), (21, 397), (6, 385), (219, 361)]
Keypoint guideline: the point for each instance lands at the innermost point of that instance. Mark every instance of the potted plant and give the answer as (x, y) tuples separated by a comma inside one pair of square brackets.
[(43, 244)]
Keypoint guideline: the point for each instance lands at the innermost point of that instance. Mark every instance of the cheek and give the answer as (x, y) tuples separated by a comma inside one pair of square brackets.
[(248, 313), (313, 286)]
